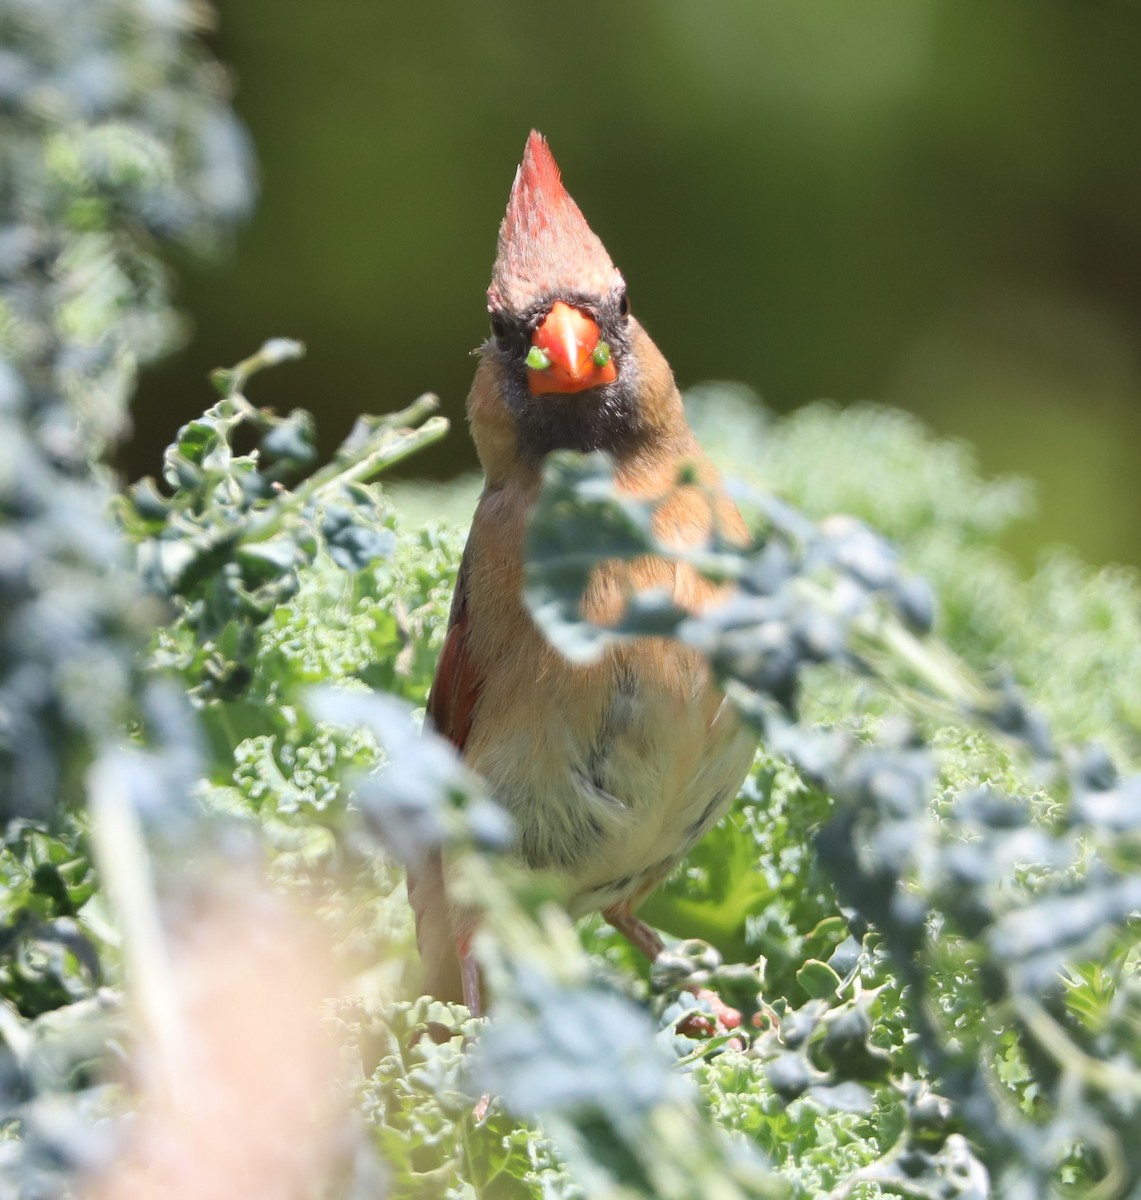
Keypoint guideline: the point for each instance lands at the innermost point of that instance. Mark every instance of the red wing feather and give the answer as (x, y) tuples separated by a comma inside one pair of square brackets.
[(456, 687)]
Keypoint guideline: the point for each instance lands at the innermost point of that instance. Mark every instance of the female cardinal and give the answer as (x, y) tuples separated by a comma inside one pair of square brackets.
[(612, 771)]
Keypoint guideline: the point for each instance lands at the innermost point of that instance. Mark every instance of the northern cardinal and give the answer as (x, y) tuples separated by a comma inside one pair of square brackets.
[(612, 771)]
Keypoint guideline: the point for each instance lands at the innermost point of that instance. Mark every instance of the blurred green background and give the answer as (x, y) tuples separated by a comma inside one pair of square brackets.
[(933, 203)]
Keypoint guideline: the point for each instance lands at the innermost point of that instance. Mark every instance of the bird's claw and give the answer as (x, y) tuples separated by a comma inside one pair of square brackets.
[(716, 1020)]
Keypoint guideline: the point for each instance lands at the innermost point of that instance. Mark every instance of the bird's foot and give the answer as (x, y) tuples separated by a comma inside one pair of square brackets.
[(715, 1019), (696, 967), (690, 965)]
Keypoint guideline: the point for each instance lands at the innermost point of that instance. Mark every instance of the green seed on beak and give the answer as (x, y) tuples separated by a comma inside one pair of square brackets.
[(537, 359), (601, 354)]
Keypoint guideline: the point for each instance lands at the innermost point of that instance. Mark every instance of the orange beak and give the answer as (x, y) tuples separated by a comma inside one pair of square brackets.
[(578, 357)]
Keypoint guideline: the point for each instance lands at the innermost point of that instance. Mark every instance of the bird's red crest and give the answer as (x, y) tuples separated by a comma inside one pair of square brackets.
[(545, 245), (538, 195)]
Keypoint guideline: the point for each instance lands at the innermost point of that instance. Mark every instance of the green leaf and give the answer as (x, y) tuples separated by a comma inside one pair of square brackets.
[(818, 979)]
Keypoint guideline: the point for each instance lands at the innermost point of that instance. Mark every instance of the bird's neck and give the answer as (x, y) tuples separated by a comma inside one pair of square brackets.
[(609, 421)]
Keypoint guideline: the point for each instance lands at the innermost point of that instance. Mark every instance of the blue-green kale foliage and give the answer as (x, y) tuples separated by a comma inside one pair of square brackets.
[(115, 131)]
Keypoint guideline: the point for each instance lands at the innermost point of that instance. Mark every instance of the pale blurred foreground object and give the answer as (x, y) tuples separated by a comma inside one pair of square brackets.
[(251, 1116)]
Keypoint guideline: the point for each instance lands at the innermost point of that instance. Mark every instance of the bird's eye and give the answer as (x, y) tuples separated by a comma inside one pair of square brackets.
[(624, 305), (499, 325)]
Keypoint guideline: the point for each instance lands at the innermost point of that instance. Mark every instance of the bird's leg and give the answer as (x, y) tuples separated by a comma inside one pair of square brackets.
[(473, 998), (469, 972), (635, 931), (642, 937)]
